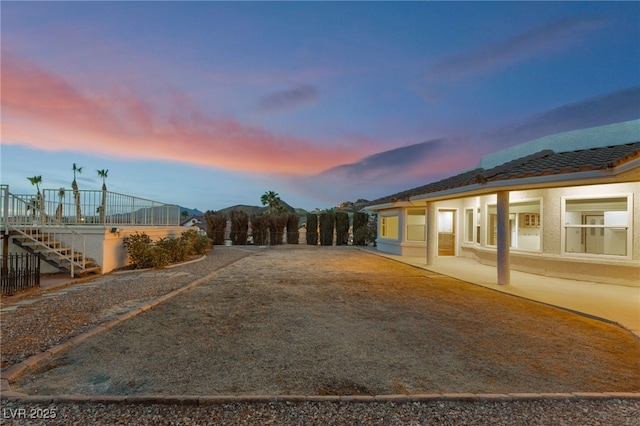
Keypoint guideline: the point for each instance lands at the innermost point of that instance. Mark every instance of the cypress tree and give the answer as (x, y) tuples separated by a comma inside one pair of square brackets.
[(327, 224), (259, 226), (312, 229), (342, 228), (216, 226), (239, 227), (360, 228), (293, 235)]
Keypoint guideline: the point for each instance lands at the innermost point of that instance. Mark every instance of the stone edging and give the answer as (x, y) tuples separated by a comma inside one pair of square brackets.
[(266, 399), (13, 372)]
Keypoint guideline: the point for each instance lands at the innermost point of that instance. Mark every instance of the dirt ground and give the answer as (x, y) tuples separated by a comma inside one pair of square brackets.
[(342, 321)]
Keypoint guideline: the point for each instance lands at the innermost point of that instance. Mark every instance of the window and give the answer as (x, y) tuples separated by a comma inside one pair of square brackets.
[(416, 220), (389, 227), (524, 225), (469, 229), (596, 226)]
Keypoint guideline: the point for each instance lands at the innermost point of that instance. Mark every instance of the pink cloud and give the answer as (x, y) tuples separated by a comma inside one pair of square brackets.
[(43, 110)]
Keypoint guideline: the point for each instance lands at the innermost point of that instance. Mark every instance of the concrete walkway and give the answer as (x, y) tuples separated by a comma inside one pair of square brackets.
[(619, 304)]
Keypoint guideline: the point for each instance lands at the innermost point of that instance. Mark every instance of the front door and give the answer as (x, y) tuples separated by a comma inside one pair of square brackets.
[(446, 232)]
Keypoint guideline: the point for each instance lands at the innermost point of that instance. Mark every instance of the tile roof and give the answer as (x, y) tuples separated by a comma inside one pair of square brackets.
[(542, 163)]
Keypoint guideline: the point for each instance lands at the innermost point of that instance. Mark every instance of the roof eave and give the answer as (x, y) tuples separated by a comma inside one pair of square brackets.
[(386, 206), (548, 181)]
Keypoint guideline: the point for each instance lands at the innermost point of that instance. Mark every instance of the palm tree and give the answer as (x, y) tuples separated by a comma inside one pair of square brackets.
[(36, 180), (76, 193), (37, 204), (61, 193), (273, 202), (103, 206)]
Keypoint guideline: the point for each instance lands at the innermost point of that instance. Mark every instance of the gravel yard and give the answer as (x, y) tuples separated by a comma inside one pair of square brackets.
[(320, 321)]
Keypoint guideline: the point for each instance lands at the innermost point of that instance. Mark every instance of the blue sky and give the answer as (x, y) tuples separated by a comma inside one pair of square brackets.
[(210, 104)]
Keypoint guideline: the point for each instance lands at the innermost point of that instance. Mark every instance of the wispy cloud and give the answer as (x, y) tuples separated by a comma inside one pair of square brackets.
[(495, 56), (408, 167), (42, 110), (289, 98)]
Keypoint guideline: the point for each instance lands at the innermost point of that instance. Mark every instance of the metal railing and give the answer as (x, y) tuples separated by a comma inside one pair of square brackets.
[(43, 233), (52, 216), (19, 272), (88, 207)]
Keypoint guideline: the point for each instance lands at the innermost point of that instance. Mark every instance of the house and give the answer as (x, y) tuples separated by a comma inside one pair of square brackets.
[(566, 205), (197, 223)]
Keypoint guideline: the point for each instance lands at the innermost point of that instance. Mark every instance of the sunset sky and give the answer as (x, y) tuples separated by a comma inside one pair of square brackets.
[(211, 104)]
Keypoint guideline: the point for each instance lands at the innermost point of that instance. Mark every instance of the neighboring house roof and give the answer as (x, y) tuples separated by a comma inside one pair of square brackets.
[(543, 163)]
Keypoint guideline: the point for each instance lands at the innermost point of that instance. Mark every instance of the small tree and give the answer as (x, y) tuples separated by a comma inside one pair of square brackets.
[(272, 201), (312, 229), (216, 226), (38, 203), (76, 192), (103, 205), (61, 194)]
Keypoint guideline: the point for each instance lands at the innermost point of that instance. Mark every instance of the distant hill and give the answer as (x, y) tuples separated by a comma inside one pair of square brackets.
[(191, 212), (251, 210)]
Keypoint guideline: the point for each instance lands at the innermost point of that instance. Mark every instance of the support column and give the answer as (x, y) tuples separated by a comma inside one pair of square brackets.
[(432, 234), (504, 239)]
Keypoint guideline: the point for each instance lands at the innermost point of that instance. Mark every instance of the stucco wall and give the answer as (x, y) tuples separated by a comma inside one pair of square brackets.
[(105, 247)]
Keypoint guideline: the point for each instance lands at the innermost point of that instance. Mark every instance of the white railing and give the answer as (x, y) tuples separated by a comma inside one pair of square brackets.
[(108, 209), (43, 233)]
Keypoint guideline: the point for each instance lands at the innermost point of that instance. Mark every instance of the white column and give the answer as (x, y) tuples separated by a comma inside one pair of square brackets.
[(504, 239), (432, 234)]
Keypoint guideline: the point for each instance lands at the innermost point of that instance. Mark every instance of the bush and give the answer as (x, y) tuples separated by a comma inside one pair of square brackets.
[(144, 253), (138, 248)]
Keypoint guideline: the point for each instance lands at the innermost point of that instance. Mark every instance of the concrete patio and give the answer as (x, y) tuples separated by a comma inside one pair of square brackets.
[(615, 303)]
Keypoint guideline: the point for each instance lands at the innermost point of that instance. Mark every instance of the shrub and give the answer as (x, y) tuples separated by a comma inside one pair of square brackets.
[(138, 248), (312, 229), (196, 244), (144, 253)]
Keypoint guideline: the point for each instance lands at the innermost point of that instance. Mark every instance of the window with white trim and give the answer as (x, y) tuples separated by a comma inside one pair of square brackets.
[(416, 221), (597, 225), (389, 227), (469, 229), (524, 225)]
